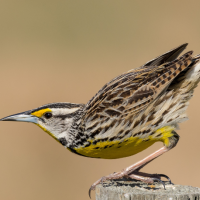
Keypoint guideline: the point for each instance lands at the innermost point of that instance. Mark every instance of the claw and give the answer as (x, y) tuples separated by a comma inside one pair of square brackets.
[(157, 179), (167, 177), (89, 192)]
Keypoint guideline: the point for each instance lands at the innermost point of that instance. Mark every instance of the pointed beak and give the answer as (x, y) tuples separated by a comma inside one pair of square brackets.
[(21, 117)]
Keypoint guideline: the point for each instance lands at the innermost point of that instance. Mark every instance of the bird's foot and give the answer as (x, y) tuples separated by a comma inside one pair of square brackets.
[(157, 176), (140, 176), (115, 175)]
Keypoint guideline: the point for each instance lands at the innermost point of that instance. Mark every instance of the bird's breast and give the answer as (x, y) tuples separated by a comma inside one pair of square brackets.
[(119, 149)]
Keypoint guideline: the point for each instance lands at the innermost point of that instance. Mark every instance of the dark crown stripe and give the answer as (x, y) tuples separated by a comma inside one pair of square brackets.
[(57, 105)]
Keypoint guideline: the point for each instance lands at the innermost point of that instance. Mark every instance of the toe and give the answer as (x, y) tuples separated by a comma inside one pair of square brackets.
[(91, 188), (103, 179), (167, 177), (158, 180)]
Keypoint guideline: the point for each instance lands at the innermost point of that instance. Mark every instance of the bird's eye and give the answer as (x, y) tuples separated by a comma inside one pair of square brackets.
[(48, 115)]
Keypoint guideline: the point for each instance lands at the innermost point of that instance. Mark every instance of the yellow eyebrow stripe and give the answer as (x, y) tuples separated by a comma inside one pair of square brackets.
[(39, 113)]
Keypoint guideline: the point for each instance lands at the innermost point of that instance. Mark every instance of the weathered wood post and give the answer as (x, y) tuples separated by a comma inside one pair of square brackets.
[(135, 190)]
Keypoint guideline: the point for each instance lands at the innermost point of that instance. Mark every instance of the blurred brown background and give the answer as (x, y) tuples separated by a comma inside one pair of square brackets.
[(65, 51)]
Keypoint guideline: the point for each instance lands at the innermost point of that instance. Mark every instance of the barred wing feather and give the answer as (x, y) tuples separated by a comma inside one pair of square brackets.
[(128, 95)]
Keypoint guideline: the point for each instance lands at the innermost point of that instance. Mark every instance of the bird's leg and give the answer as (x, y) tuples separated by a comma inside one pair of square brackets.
[(172, 142), (133, 170), (129, 171), (157, 176)]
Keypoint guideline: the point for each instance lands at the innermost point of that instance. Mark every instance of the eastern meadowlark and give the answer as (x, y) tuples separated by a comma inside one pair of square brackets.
[(129, 114)]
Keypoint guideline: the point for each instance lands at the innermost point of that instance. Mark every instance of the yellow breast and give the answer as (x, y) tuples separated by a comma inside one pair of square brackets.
[(130, 146)]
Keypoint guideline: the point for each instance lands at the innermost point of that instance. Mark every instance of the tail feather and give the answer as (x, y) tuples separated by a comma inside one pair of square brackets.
[(170, 108), (167, 57), (197, 57)]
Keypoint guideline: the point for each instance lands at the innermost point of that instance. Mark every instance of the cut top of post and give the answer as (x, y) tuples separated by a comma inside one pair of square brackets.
[(136, 190)]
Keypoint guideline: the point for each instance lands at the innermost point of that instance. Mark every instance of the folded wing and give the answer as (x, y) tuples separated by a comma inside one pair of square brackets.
[(131, 93)]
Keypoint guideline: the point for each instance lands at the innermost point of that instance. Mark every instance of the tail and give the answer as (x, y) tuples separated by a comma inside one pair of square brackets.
[(187, 80), (197, 57), (170, 108)]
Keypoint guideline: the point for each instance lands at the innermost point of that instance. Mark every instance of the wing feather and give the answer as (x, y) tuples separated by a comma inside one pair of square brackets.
[(167, 57), (130, 94)]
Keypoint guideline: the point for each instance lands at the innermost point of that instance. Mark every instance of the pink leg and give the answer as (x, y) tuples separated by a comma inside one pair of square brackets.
[(133, 170)]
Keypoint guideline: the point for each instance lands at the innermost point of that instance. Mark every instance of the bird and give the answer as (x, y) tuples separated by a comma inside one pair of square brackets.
[(127, 115)]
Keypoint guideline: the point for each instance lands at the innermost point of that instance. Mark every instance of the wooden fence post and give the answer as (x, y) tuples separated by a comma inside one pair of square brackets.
[(135, 190)]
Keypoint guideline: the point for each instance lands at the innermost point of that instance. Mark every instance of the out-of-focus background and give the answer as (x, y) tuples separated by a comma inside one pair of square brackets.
[(65, 51)]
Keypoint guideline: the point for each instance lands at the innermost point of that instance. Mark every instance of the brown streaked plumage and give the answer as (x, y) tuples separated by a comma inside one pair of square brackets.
[(125, 98), (129, 114)]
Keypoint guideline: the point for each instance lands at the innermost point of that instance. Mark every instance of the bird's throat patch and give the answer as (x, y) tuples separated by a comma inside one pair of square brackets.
[(44, 129), (40, 113)]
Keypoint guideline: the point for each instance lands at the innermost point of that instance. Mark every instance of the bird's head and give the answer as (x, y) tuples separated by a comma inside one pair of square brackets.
[(55, 119)]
